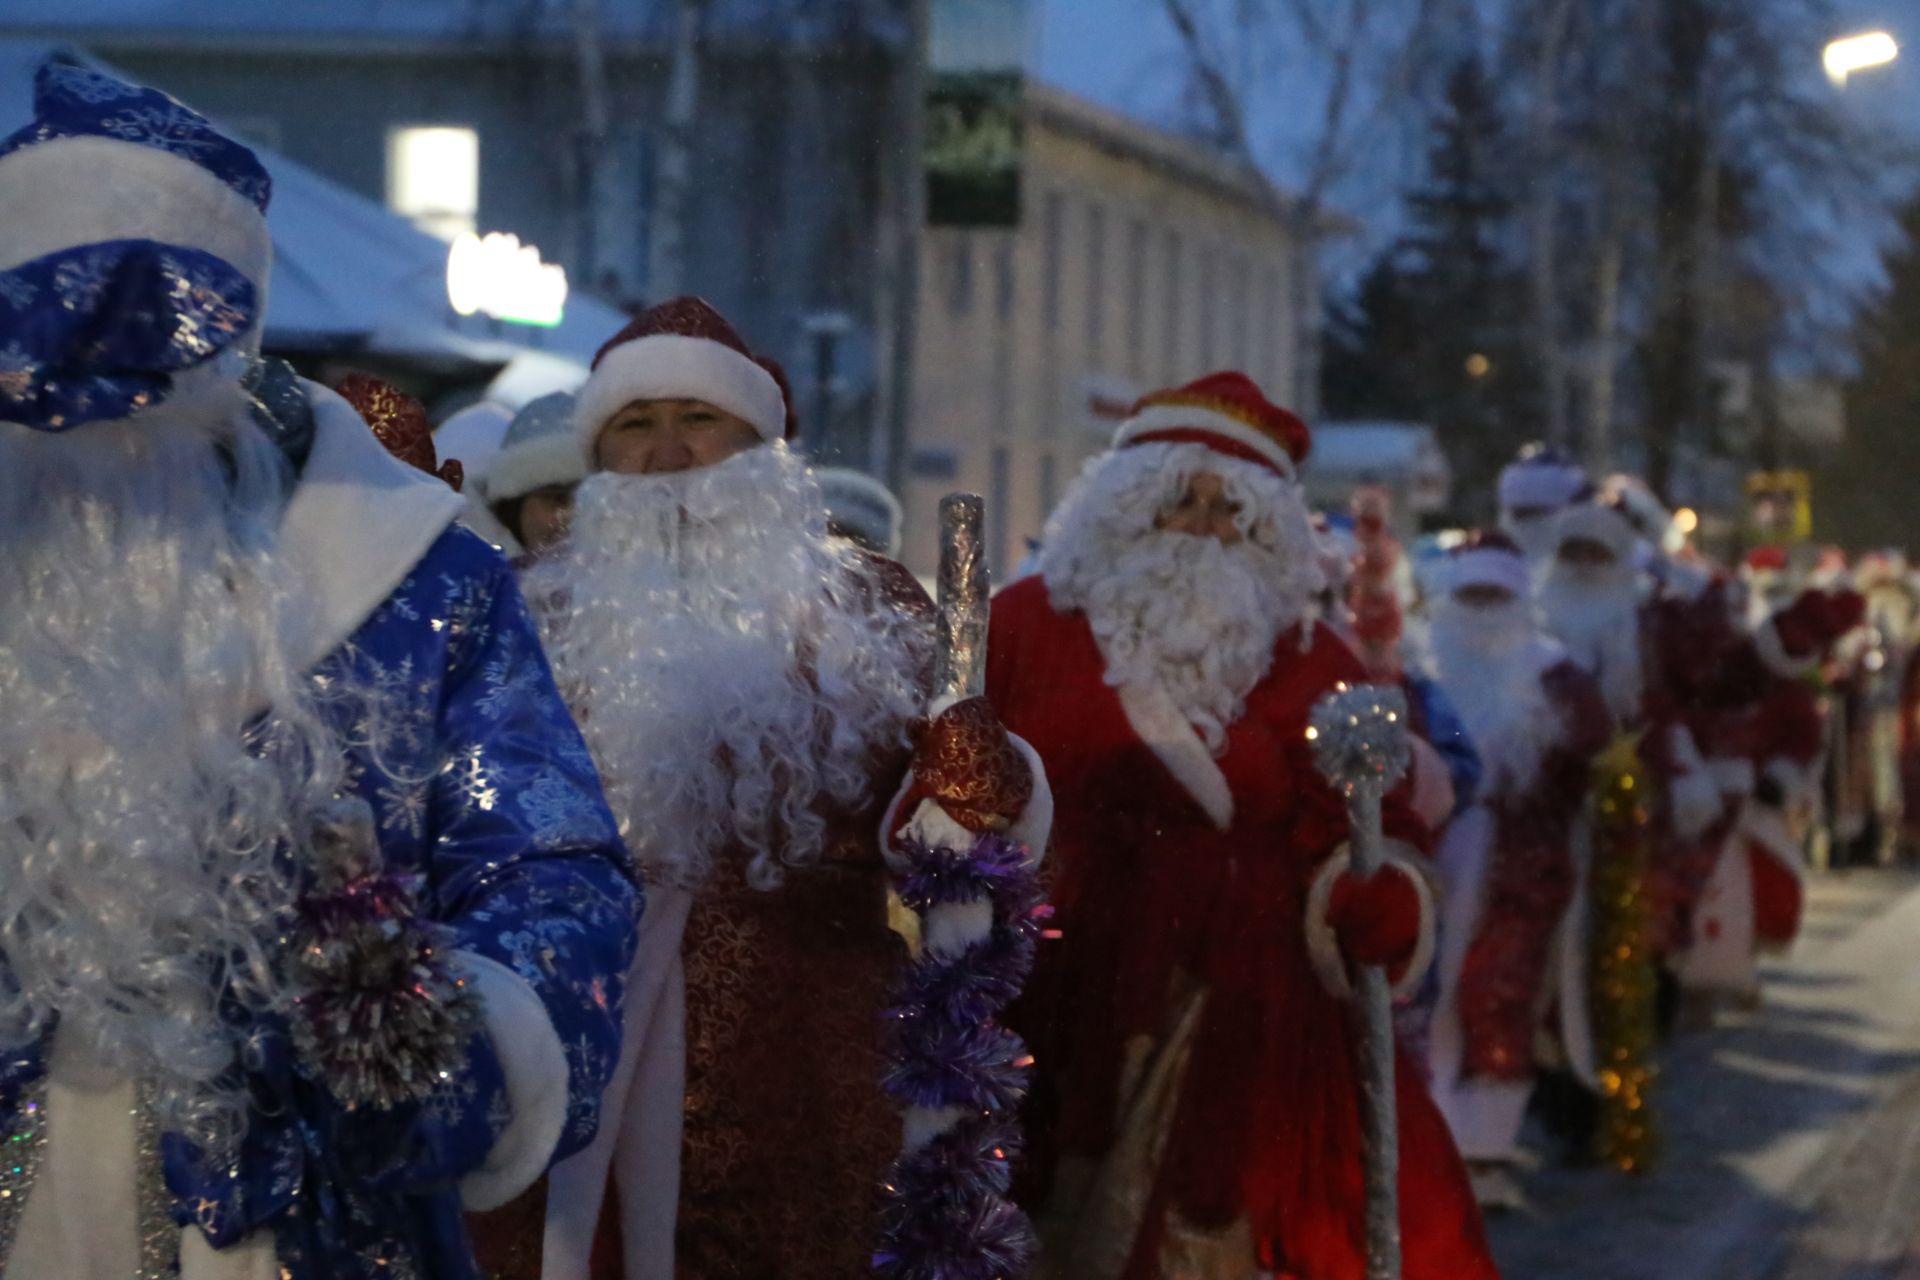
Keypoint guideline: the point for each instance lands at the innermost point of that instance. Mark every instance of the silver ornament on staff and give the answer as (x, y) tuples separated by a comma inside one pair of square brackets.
[(1360, 745), (961, 595)]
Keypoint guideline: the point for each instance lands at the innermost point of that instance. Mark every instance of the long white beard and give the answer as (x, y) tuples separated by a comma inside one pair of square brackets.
[(1193, 615), (1489, 661), (1597, 618), (146, 809), (734, 673)]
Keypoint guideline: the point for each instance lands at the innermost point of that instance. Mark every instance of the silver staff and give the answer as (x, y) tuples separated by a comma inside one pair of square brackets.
[(1360, 745), (962, 598)]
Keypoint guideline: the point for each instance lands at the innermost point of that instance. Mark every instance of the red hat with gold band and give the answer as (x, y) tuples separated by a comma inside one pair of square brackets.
[(1226, 412)]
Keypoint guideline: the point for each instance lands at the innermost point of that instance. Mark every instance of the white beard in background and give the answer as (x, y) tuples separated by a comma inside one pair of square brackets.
[(1489, 662), (1196, 617), (145, 807), (1596, 615), (733, 672)]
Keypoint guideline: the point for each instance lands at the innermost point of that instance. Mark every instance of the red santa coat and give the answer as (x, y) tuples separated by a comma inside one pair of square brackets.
[(1181, 883)]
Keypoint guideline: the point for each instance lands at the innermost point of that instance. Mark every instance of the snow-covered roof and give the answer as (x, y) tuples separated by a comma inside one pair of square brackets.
[(347, 271), (352, 24)]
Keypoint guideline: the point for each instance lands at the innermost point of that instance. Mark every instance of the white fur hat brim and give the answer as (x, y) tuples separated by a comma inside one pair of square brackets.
[(1481, 567), (549, 460), (675, 367), (72, 191), (1593, 522), (1527, 485)]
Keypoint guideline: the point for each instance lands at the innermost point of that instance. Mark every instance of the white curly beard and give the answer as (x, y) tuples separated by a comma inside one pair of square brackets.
[(1193, 615), (734, 675), (146, 809), (1489, 661), (1595, 613)]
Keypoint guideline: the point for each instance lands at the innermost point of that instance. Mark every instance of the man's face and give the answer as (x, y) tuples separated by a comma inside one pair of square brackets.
[(1203, 511), (1483, 595), (660, 437), (544, 514)]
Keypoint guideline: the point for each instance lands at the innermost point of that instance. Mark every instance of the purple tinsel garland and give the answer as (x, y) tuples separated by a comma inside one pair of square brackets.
[(947, 1215)]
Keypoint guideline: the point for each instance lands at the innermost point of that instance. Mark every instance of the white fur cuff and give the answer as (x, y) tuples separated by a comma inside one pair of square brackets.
[(536, 1069), (1323, 945)]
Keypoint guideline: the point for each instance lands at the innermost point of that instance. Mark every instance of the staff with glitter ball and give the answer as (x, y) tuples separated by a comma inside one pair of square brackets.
[(1360, 745)]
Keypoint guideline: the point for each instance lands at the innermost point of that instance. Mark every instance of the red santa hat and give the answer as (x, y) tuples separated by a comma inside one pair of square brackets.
[(683, 350), (1488, 558), (1227, 413)]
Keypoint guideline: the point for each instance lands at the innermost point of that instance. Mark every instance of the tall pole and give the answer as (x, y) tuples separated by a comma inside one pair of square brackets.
[(897, 276)]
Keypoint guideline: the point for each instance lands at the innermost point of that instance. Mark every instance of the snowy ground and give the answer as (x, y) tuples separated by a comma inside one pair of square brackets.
[(1792, 1134)]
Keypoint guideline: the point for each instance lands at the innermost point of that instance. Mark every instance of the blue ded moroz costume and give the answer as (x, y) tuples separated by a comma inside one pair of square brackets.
[(454, 922)]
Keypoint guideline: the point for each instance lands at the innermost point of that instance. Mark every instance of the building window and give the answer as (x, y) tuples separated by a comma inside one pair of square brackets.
[(1096, 286), (999, 498), (960, 275), (1053, 231), (1172, 337), (433, 177), (1137, 300)]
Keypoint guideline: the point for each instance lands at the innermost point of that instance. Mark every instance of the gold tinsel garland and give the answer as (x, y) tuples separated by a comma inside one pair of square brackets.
[(1623, 981)]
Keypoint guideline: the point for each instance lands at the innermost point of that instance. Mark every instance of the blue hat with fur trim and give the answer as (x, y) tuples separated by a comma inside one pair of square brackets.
[(133, 246)]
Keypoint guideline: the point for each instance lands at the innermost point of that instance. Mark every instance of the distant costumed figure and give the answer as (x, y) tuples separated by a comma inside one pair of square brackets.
[(756, 693), (1196, 1107), (314, 917), (1507, 864)]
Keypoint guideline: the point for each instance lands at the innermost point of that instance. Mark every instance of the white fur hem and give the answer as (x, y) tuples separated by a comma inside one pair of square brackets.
[(672, 367), (1693, 793), (479, 517), (1733, 774), (536, 1069), (1766, 639), (1174, 417), (1153, 715), (358, 522), (1323, 946)]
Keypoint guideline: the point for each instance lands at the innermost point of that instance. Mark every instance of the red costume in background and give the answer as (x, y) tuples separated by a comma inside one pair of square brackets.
[(1181, 882)]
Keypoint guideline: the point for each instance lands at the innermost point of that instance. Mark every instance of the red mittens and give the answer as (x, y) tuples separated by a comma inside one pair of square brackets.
[(1377, 921)]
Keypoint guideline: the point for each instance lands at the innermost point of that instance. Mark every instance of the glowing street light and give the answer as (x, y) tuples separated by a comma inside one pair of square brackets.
[(1849, 54)]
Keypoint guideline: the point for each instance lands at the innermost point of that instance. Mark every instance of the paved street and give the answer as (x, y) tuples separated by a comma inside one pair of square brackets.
[(1792, 1133)]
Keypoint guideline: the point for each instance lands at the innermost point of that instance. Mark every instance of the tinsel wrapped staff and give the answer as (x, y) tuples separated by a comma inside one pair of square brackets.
[(959, 1075), (1359, 737)]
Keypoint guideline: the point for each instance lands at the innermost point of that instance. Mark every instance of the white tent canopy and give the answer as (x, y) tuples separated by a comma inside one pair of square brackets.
[(349, 274)]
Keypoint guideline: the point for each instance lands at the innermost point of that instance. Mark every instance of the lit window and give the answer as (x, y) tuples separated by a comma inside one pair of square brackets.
[(433, 177)]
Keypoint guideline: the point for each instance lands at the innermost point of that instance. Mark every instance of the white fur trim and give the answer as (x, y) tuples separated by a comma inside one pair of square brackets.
[(518, 471), (358, 522), (1487, 567), (1693, 793), (1539, 484), (1173, 417), (535, 1066), (1595, 523), (74, 191), (1323, 946), (1733, 774), (857, 499), (1034, 827), (672, 367), (1154, 716), (1766, 639)]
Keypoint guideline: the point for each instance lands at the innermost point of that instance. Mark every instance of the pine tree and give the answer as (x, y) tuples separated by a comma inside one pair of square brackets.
[(1862, 494), (1431, 333)]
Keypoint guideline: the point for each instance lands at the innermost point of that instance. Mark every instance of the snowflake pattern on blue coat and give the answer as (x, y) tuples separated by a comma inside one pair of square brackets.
[(480, 781)]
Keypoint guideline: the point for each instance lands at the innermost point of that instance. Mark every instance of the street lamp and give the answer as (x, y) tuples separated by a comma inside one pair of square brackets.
[(1849, 54)]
